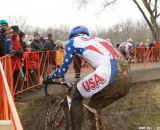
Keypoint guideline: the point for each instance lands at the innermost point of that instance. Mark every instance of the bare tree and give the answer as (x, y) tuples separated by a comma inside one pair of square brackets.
[(148, 8), (83, 3), (120, 32), (21, 22), (101, 32), (60, 32), (126, 28), (151, 7), (141, 31)]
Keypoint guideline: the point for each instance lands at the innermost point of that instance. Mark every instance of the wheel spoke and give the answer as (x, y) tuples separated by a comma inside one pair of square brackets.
[(55, 117)]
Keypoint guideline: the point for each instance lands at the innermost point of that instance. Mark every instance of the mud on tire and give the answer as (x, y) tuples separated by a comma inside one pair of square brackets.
[(57, 116), (48, 109)]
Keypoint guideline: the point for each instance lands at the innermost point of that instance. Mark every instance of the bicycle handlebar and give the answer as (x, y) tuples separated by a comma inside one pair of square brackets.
[(66, 84)]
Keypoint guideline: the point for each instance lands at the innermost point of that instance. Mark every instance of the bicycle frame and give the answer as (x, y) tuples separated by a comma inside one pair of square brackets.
[(68, 86), (69, 101), (92, 110)]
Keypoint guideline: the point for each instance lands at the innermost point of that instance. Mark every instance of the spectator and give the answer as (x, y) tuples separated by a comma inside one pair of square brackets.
[(2, 38), (117, 45), (142, 45), (157, 44), (8, 45), (59, 45), (36, 44), (141, 52), (147, 42), (42, 39), (4, 24), (3, 28), (59, 53), (49, 44), (122, 47), (16, 59), (22, 40)]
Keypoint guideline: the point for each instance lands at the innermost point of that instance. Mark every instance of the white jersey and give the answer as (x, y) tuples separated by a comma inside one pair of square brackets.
[(100, 54), (128, 46)]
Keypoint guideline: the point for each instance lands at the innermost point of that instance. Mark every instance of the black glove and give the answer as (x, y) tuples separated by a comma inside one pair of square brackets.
[(46, 80)]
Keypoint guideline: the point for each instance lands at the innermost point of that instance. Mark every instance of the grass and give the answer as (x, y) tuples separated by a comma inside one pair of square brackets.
[(141, 107)]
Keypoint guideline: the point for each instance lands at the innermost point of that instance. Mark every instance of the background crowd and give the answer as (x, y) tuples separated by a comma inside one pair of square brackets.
[(13, 43)]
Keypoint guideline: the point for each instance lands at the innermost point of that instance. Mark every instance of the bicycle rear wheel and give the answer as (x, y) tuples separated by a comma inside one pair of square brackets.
[(57, 116)]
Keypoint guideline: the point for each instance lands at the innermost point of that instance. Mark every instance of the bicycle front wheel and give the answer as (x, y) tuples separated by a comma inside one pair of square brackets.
[(57, 116)]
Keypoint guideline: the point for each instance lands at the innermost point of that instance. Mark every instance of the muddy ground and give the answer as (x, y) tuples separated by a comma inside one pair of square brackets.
[(139, 110)]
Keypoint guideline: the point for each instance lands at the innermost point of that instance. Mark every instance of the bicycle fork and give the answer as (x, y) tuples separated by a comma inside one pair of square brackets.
[(92, 110)]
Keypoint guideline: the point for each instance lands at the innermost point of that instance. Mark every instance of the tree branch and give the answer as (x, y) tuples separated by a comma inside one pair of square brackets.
[(148, 7), (158, 15), (82, 3), (109, 3), (105, 4), (152, 16), (155, 8), (144, 15)]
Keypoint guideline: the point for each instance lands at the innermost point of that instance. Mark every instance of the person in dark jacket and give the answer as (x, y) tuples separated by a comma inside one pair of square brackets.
[(8, 45), (36, 44), (3, 28), (22, 37), (4, 23), (49, 44), (2, 40)]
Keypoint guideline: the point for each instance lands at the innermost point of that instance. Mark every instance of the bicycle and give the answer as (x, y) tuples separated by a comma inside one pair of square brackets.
[(57, 116)]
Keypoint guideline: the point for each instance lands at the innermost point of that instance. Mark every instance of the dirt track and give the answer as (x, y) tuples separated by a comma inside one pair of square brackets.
[(145, 72), (140, 108)]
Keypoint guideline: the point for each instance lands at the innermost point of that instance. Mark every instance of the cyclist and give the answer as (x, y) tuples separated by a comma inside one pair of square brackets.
[(104, 85), (129, 49)]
